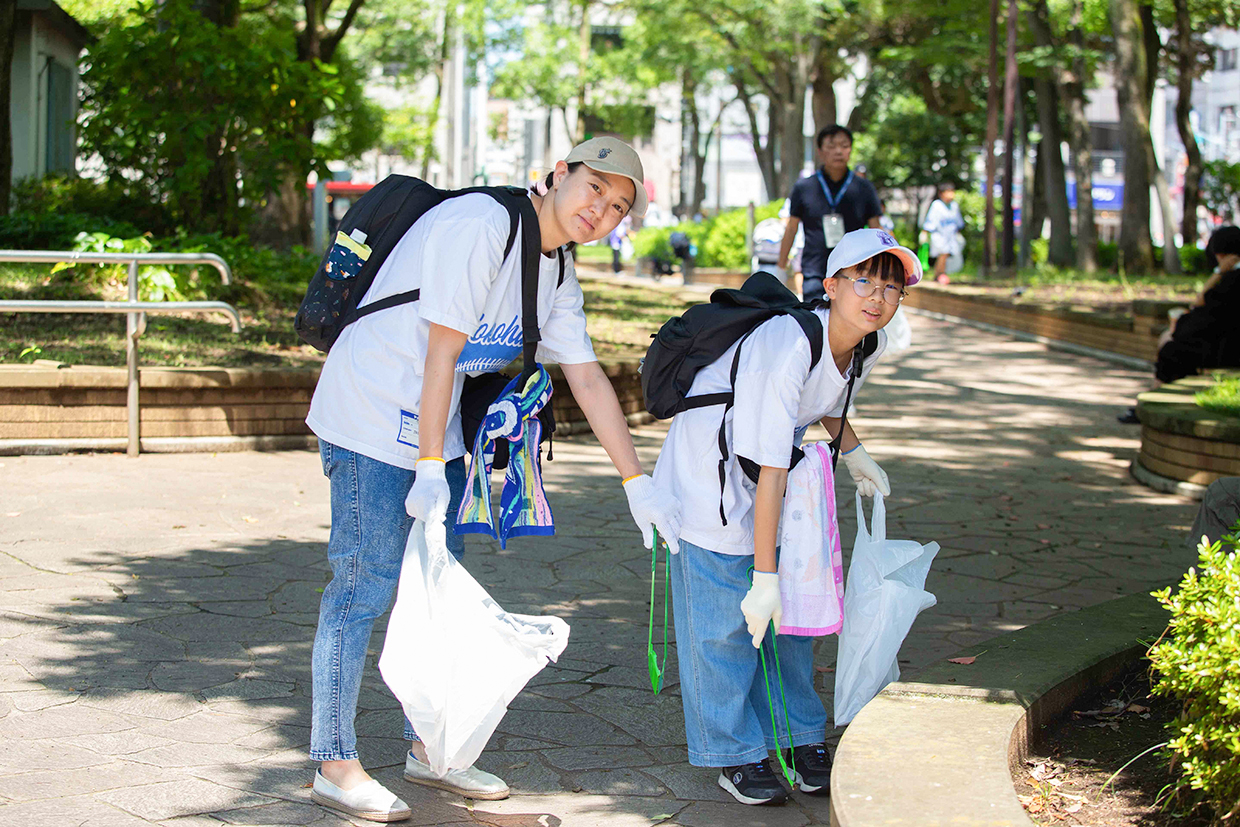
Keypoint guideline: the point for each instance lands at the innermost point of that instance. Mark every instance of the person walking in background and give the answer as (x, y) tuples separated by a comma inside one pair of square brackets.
[(616, 239), (943, 222), (831, 202)]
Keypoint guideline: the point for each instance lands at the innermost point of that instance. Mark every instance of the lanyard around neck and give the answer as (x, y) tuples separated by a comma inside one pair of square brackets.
[(833, 203)]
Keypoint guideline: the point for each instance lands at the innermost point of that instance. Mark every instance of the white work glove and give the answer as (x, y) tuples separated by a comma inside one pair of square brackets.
[(761, 605), (866, 473), (428, 498), (653, 507)]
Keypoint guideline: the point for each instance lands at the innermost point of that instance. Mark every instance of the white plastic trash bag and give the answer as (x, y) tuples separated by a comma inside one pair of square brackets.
[(453, 657), (884, 593), (899, 332)]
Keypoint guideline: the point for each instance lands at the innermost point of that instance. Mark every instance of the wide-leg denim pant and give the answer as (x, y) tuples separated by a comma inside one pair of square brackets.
[(727, 715), (365, 549)]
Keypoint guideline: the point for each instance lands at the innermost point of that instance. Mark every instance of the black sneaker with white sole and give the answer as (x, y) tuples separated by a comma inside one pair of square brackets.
[(812, 763), (753, 783)]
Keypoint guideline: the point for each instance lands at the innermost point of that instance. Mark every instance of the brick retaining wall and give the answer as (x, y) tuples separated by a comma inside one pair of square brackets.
[(1135, 335), (47, 407)]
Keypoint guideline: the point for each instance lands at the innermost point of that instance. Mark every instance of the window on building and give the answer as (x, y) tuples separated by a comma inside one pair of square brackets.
[(1227, 60), (60, 149)]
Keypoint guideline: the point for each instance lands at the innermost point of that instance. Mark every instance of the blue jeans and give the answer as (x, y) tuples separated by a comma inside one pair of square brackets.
[(365, 549), (727, 716)]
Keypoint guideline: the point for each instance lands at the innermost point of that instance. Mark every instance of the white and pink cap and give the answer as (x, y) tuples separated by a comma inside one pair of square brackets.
[(859, 245)]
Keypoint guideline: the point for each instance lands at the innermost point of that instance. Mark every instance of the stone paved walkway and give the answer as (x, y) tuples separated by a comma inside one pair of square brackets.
[(156, 614)]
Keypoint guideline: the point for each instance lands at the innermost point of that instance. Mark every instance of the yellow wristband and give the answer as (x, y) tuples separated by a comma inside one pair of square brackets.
[(626, 480), (432, 459)]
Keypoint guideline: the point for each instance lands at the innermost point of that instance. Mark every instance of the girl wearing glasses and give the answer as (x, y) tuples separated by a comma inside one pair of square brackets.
[(720, 618)]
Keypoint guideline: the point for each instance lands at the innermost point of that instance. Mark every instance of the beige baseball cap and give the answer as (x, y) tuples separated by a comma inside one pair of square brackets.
[(615, 157)]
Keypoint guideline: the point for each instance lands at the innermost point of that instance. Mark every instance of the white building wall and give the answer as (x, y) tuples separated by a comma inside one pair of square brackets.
[(38, 45)]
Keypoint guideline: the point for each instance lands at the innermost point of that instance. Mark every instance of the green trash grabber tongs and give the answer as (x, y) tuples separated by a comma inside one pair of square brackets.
[(652, 662)]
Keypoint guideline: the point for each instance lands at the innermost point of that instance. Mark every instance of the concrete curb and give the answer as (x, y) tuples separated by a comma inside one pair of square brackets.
[(942, 751), (1162, 484)]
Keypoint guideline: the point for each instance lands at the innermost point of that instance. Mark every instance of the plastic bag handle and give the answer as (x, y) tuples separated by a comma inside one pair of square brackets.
[(878, 519)]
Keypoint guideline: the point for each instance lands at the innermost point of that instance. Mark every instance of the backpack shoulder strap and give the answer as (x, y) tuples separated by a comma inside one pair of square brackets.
[(531, 249), (559, 251), (869, 344), (499, 194), (811, 326)]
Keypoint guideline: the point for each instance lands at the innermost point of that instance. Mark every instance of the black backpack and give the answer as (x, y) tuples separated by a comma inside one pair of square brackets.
[(385, 213), (689, 342)]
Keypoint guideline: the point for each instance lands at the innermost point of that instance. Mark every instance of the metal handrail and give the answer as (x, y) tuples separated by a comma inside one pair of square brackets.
[(32, 306), (77, 256), (135, 318)]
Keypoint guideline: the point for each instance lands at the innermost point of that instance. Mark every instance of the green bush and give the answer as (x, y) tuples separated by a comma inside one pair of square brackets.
[(56, 230), (721, 240), (1194, 261), (1107, 256), (1195, 663), (102, 200)]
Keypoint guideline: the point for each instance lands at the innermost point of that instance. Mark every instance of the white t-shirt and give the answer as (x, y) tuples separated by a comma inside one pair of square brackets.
[(777, 398), (370, 390)]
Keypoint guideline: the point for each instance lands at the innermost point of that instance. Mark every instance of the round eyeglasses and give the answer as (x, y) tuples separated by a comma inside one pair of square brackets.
[(863, 287)]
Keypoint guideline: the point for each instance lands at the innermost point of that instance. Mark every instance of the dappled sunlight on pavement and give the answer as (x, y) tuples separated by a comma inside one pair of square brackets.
[(156, 615)]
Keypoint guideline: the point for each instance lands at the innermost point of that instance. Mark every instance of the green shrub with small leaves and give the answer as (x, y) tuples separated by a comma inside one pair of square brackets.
[(1196, 662), (721, 241)]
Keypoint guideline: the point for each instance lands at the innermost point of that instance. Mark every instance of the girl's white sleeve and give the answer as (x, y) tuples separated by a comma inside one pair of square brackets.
[(459, 262), (564, 337), (769, 382)]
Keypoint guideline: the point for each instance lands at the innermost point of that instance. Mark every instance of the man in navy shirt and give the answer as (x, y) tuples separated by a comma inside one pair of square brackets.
[(831, 202)]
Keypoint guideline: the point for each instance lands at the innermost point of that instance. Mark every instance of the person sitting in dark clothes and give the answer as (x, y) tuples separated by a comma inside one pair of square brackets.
[(1208, 335)]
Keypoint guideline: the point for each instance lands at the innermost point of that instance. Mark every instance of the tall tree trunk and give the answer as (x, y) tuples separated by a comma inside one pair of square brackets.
[(1048, 92), (764, 152), (1033, 206), (791, 112), (1031, 174), (439, 67), (1082, 146), (583, 60), (692, 190), (1152, 42), (1186, 66), (1056, 183), (823, 103), (8, 39), (1010, 84), (1135, 249), (992, 134)]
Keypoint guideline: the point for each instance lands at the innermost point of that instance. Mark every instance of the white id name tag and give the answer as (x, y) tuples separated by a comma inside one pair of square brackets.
[(833, 229)]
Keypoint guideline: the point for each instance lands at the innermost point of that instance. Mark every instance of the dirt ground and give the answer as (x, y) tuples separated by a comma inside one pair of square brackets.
[(1064, 778)]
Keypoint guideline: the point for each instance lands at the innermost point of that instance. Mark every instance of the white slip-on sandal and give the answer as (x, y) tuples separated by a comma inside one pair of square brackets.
[(371, 801), (471, 783)]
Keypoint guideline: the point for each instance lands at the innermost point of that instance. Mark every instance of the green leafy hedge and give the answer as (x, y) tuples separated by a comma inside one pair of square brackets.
[(1196, 663), (721, 240)]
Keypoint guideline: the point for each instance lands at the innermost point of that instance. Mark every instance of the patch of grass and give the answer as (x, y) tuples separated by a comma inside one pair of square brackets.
[(267, 289), (1223, 397)]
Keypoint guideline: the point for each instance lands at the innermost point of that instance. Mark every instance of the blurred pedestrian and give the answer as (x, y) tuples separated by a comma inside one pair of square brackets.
[(943, 222), (831, 202)]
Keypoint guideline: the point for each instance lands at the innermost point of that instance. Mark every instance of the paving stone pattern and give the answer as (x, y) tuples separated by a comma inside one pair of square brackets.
[(156, 615)]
